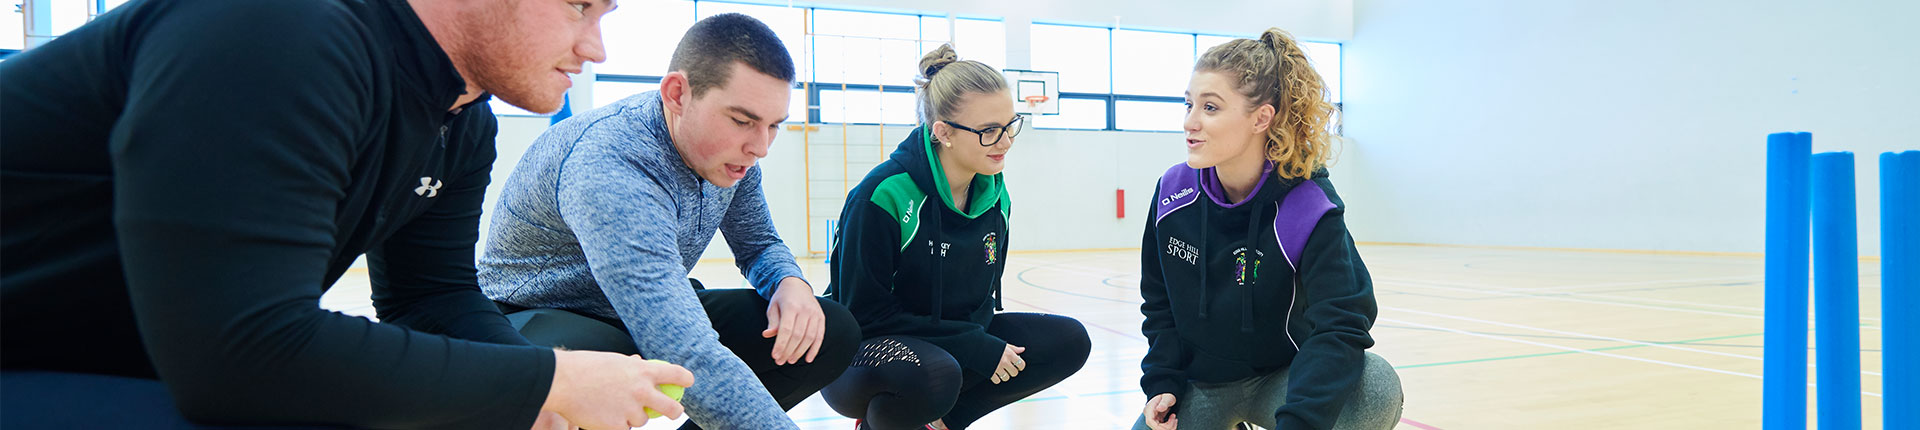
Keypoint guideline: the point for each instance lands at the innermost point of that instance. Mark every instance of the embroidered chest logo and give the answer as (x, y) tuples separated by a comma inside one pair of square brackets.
[(1246, 265), (1182, 250), (943, 248), (991, 244), (428, 187)]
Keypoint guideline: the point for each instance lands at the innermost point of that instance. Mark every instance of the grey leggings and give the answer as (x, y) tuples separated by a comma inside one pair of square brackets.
[(1220, 406)]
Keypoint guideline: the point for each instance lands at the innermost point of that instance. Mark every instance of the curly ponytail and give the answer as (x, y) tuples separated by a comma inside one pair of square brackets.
[(1274, 71)]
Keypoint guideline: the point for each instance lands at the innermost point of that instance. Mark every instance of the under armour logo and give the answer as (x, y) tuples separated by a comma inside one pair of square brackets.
[(428, 187)]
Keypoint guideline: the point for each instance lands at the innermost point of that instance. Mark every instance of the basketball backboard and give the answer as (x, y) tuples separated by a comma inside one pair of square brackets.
[(1034, 92)]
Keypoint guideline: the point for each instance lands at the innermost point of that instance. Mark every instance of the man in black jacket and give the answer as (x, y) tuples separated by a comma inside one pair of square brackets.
[(183, 179)]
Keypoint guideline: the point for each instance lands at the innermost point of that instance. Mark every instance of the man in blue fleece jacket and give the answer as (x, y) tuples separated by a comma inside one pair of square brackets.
[(609, 210)]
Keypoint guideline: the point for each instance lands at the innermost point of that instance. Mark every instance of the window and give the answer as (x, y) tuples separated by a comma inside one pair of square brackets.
[(1326, 60), (1084, 114), (1324, 56), (12, 26), (69, 15), (640, 40), (934, 31), (610, 92), (980, 40), (866, 48), (1149, 115), (1205, 41), (865, 62), (860, 65), (1151, 63), (867, 107), (502, 108), (790, 24), (797, 106), (1078, 53), (862, 62)]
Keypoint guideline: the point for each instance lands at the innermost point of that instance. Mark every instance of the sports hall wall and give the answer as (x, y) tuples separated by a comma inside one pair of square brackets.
[(1617, 125)]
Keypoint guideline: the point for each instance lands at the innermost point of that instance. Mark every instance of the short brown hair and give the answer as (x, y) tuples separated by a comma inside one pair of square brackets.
[(709, 49)]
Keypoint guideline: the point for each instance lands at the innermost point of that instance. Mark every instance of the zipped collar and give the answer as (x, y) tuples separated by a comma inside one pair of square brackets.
[(422, 63)]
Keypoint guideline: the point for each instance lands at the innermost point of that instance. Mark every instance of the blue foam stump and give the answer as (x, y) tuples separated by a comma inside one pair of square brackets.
[(1836, 292), (1784, 403), (1899, 278)]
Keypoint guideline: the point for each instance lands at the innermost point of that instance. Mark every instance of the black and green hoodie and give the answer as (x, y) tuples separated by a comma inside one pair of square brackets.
[(906, 261)]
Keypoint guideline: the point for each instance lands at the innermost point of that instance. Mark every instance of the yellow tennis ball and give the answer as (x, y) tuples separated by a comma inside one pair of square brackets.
[(672, 391)]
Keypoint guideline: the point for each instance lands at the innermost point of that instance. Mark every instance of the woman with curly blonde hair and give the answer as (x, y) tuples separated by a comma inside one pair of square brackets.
[(1233, 341)]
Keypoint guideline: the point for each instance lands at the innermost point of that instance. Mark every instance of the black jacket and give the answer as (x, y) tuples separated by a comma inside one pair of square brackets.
[(184, 178), (907, 262), (1234, 291)]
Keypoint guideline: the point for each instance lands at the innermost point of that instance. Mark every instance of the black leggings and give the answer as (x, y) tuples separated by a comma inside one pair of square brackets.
[(899, 382), (738, 315)]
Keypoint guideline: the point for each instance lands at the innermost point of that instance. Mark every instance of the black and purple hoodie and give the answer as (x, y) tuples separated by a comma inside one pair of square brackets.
[(1215, 313)]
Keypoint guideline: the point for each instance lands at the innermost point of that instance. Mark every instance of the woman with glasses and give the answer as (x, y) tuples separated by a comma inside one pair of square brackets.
[(918, 257)]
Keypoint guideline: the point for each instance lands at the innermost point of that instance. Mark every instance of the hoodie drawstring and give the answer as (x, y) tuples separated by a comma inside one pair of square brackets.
[(1204, 304), (996, 297), (939, 263), (1252, 270)]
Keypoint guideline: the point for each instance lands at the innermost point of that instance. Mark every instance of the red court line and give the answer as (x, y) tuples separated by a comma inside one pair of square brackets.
[(1418, 424)]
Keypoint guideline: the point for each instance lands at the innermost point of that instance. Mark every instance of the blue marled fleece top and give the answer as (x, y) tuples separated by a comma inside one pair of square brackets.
[(603, 218)]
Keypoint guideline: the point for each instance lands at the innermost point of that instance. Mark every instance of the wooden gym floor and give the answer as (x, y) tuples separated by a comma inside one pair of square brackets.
[(1483, 338)]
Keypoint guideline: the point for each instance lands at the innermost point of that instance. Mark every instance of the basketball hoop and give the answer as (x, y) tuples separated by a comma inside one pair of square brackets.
[(1035, 101), (1041, 90)]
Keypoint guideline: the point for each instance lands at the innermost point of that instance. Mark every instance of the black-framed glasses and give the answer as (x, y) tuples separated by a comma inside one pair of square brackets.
[(1012, 129)]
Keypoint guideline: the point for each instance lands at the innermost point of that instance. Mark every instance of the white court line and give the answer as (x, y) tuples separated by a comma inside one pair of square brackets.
[(1683, 302), (1073, 268), (1070, 398), (1620, 284), (1637, 283), (1094, 271), (1588, 294), (1593, 336), (1530, 292), (1583, 351), (1443, 286)]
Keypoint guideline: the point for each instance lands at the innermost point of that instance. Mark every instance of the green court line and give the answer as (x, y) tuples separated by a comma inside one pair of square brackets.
[(1545, 354)]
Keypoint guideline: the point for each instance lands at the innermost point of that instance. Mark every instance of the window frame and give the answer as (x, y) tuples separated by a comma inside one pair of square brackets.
[(812, 86)]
